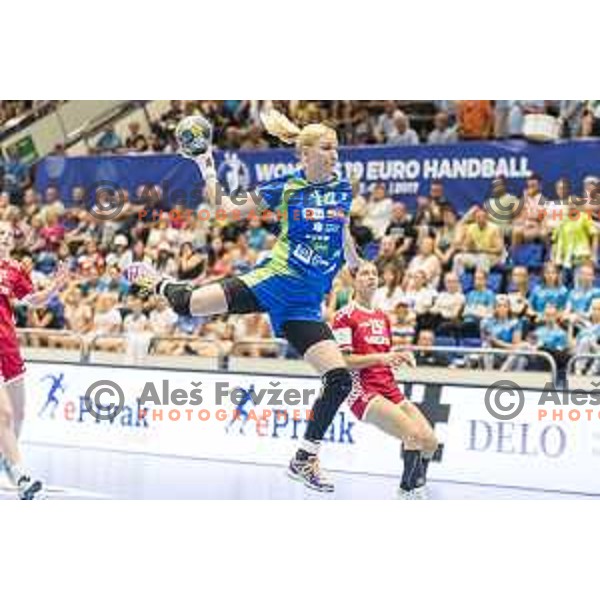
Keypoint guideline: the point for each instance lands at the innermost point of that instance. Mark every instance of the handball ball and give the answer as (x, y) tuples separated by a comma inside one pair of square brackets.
[(194, 135)]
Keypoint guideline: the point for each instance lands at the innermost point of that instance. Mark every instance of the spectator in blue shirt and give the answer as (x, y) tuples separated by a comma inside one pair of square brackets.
[(257, 236), (587, 342), (479, 305), (551, 338), (579, 300), (551, 291), (504, 332)]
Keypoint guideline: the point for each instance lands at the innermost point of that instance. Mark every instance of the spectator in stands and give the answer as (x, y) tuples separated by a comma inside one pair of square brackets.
[(379, 211), (402, 229), (162, 321), (518, 296), (504, 332), (254, 140), (47, 316), (52, 203), (390, 293), (164, 262), (442, 133), (504, 204), (429, 358), (420, 296), (475, 119), (448, 307), (437, 197), (113, 281), (587, 341), (219, 260), (31, 204), (404, 135), (135, 139), (551, 338), (52, 233), (121, 255), (574, 240), (501, 110), (590, 124), (528, 225), (590, 185), (428, 217), (426, 261), (550, 291), (388, 254), (448, 237), (190, 263), (482, 246), (108, 142), (479, 305), (107, 322), (16, 174), (579, 299), (519, 109), (257, 236), (78, 316), (570, 116), (5, 205), (386, 127), (404, 323)]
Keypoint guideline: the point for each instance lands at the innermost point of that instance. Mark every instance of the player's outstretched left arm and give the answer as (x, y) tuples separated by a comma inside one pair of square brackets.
[(351, 255), (41, 298)]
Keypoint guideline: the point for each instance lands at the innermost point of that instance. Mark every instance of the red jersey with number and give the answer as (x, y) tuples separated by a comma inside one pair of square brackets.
[(15, 283), (368, 331)]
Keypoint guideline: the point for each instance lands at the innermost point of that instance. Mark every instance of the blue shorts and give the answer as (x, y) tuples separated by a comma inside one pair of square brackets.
[(284, 297)]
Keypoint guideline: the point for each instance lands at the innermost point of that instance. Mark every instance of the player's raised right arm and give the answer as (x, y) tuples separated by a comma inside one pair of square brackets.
[(242, 205)]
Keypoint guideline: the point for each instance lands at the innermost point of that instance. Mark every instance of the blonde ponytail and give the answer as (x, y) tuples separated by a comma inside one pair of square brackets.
[(278, 125)]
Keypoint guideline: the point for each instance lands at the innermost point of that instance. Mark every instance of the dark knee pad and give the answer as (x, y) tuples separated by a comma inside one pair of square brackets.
[(179, 296), (337, 384)]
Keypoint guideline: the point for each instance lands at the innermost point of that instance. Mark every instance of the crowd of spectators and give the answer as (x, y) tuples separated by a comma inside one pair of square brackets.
[(528, 282), (391, 122), (449, 279)]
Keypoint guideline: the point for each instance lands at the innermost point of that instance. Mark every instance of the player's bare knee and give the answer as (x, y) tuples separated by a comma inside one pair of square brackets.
[(6, 415)]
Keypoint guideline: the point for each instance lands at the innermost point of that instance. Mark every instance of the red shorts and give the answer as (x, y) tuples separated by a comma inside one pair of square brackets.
[(360, 396), (11, 365)]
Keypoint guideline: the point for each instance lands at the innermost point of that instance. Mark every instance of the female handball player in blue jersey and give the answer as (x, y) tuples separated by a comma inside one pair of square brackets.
[(314, 204)]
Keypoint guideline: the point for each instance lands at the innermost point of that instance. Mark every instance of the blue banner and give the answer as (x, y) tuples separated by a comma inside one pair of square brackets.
[(466, 169)]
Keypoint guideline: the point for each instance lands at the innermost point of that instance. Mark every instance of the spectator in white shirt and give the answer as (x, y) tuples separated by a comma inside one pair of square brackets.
[(404, 135), (390, 293), (443, 133), (379, 211), (426, 261)]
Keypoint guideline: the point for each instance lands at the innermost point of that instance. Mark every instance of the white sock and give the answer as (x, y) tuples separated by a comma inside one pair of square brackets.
[(15, 472), (310, 446)]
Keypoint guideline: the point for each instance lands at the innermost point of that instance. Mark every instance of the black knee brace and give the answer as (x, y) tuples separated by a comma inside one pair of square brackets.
[(337, 384), (179, 296)]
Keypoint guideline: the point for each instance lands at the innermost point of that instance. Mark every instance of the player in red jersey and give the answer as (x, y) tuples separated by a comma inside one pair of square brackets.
[(365, 337), (15, 284)]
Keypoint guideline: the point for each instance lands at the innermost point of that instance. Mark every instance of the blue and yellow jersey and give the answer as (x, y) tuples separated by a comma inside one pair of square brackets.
[(310, 245)]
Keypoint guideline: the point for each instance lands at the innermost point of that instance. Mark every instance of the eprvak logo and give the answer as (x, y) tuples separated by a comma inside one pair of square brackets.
[(281, 423), (58, 405)]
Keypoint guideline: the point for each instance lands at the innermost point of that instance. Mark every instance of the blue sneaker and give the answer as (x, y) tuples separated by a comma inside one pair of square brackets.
[(309, 472)]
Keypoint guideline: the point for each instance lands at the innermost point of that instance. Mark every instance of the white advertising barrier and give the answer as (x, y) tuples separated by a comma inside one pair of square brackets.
[(476, 447)]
